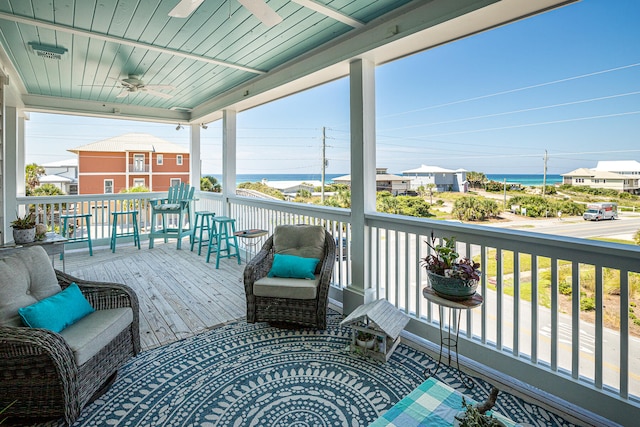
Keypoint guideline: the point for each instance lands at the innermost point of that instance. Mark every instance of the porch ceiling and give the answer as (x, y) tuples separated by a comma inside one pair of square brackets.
[(213, 57)]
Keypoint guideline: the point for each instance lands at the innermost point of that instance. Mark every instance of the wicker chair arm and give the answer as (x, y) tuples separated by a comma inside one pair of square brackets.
[(259, 266), (104, 296), (25, 347), (326, 271)]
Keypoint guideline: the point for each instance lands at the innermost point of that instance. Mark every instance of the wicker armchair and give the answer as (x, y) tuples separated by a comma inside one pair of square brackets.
[(38, 369), (305, 312)]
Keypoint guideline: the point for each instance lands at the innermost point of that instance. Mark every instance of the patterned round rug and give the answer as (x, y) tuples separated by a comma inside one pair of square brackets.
[(257, 375)]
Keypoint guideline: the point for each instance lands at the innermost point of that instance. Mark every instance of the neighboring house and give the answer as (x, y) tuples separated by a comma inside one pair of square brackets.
[(291, 188), (443, 179), (63, 174), (130, 160), (622, 175), (394, 184)]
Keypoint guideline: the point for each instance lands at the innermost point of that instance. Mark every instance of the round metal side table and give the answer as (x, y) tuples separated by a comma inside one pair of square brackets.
[(449, 341)]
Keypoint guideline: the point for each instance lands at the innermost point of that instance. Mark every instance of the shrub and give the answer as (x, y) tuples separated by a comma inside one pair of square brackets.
[(471, 208), (564, 288), (587, 304)]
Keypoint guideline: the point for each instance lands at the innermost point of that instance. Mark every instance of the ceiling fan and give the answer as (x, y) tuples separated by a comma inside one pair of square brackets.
[(133, 84), (258, 8)]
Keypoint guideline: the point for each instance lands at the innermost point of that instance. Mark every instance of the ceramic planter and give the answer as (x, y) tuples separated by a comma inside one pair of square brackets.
[(452, 288), (27, 235)]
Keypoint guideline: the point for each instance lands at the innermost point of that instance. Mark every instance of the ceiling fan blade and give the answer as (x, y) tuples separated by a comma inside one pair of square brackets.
[(156, 93), (122, 94), (262, 11), (185, 8)]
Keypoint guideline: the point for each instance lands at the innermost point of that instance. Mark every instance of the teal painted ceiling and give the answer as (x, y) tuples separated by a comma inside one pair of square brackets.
[(189, 60)]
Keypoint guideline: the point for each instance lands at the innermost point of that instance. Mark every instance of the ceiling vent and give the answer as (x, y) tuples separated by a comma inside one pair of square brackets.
[(47, 52)]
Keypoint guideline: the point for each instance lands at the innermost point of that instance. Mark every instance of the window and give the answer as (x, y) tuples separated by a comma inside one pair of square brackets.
[(138, 182), (159, 159), (179, 159), (174, 182), (108, 186), (138, 163)]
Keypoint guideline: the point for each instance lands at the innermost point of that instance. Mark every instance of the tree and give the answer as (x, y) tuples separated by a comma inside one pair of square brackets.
[(476, 179), (47, 190), (210, 183), (32, 174), (471, 208), (341, 199)]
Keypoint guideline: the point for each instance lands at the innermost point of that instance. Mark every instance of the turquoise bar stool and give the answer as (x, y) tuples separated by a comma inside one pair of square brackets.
[(225, 240), (204, 220), (124, 233), (77, 220)]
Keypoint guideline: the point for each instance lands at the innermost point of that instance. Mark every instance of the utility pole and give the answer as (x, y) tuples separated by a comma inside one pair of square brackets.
[(504, 202), (544, 175), (324, 162)]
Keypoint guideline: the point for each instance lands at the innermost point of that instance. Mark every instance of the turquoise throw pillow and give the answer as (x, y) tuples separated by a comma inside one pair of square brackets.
[(58, 311), (293, 266)]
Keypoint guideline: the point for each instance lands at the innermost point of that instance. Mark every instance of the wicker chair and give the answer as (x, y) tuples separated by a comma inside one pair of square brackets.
[(38, 369), (305, 312)]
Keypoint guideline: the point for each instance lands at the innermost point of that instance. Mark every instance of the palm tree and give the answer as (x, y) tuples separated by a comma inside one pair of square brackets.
[(32, 173), (210, 183)]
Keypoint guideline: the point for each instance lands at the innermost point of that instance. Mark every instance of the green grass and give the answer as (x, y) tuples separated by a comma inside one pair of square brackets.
[(605, 239)]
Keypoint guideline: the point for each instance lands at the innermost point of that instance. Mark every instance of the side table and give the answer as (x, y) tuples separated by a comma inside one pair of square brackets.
[(451, 342), (252, 238), (53, 244)]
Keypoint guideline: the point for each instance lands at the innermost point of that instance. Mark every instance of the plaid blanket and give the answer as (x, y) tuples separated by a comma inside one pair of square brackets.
[(431, 404)]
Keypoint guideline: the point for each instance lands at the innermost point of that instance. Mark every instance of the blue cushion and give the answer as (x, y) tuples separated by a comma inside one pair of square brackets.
[(58, 311), (293, 266)]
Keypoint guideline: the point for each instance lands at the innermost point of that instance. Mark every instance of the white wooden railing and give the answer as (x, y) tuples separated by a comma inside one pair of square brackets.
[(541, 338)]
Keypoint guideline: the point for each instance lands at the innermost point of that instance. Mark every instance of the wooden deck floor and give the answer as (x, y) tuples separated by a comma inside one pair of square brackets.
[(180, 294)]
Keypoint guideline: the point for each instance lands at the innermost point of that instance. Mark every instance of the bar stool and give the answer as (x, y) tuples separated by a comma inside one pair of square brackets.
[(77, 221), (201, 218), (225, 240), (114, 228)]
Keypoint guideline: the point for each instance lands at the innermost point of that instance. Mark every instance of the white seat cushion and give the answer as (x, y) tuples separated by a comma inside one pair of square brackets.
[(284, 287), (91, 333)]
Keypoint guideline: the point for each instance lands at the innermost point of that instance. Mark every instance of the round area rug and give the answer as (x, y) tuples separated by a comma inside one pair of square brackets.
[(257, 375)]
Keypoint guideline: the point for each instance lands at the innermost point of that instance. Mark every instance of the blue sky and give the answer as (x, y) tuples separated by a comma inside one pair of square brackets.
[(567, 81)]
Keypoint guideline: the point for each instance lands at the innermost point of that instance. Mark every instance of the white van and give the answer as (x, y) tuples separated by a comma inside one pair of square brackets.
[(598, 211)]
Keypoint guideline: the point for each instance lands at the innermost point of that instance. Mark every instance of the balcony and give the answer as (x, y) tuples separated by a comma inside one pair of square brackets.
[(526, 340), (137, 168)]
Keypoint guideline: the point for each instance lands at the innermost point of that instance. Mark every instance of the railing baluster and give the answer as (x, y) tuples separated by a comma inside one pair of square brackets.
[(499, 293), (554, 313), (599, 324), (575, 320), (516, 303), (535, 324), (624, 333)]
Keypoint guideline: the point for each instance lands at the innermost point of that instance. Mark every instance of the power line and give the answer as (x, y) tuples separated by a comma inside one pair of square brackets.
[(525, 110), (505, 92)]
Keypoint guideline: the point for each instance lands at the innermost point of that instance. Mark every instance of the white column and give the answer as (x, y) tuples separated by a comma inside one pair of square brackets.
[(13, 174), (363, 179), (195, 157), (228, 156)]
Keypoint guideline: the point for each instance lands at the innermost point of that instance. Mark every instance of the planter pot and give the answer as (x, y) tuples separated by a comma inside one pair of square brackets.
[(452, 288), (24, 236), (366, 344)]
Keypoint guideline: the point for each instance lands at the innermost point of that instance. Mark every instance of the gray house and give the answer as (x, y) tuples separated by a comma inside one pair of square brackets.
[(443, 179)]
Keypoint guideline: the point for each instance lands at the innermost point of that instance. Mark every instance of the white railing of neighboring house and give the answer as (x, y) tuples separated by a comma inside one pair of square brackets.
[(534, 338)]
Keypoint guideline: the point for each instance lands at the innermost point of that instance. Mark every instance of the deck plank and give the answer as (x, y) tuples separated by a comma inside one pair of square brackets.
[(180, 294)]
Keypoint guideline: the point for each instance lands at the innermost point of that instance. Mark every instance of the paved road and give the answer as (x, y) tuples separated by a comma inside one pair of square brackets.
[(623, 227)]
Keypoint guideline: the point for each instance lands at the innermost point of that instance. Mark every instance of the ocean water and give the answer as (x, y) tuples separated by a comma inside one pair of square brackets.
[(526, 180)]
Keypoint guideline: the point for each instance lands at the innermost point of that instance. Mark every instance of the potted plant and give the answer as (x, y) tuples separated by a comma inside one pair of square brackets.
[(476, 415), (365, 339), (24, 228), (450, 275)]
